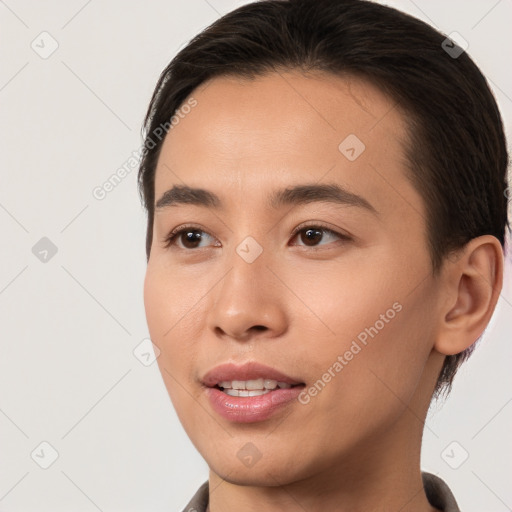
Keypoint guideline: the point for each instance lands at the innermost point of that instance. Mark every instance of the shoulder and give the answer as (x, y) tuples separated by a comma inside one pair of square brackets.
[(438, 493), (199, 501)]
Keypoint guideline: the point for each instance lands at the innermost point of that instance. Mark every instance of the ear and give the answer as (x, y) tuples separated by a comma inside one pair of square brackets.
[(471, 287)]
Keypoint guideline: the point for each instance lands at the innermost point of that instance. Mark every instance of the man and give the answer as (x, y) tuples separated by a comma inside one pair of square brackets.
[(326, 223)]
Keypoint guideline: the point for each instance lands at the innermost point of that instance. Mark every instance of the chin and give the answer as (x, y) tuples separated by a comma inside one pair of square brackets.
[(260, 475), (239, 463)]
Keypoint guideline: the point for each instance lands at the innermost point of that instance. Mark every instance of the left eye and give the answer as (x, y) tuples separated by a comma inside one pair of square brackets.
[(312, 235)]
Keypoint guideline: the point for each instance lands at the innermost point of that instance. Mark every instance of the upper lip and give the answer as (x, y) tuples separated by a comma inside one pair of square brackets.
[(248, 371)]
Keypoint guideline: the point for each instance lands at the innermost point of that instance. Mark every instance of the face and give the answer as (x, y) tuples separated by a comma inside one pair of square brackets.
[(332, 288)]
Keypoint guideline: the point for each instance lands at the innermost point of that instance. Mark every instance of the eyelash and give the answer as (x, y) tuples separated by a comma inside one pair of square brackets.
[(170, 240)]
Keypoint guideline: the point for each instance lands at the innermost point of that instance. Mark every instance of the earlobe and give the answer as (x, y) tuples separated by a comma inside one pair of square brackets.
[(473, 283)]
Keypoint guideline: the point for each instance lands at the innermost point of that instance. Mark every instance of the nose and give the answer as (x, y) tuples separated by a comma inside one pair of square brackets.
[(249, 302)]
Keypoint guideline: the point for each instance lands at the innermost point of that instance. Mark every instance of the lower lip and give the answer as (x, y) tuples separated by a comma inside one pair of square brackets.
[(249, 409)]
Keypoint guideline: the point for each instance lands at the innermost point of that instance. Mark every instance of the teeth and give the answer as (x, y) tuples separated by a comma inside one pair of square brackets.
[(270, 384), (238, 384), (252, 385), (246, 392)]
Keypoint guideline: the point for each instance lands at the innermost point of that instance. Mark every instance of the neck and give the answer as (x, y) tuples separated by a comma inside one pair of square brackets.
[(385, 475)]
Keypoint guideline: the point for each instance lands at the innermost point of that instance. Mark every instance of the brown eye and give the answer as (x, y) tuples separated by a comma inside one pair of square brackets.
[(311, 236), (190, 238), (187, 238)]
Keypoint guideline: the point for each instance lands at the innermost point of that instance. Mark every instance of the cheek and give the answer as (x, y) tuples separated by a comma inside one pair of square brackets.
[(167, 306), (156, 304), (373, 332), (166, 316), (176, 314), (169, 301)]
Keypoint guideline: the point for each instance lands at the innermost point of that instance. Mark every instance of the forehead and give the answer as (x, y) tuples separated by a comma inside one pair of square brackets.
[(286, 127)]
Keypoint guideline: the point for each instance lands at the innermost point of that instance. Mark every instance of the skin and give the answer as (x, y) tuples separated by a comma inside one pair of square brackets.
[(356, 445)]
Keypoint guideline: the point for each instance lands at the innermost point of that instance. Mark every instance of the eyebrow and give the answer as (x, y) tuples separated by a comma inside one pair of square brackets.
[(298, 194)]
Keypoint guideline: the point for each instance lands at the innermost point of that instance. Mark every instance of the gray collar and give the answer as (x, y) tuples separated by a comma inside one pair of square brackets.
[(438, 494)]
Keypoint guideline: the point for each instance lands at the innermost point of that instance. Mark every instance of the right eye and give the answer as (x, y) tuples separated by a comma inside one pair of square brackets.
[(188, 236)]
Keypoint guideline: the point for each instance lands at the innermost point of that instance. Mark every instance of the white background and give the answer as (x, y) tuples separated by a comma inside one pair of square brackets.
[(68, 375)]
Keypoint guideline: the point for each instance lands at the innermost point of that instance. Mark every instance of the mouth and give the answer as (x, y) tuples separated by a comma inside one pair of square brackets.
[(254, 387), (250, 376), (250, 392)]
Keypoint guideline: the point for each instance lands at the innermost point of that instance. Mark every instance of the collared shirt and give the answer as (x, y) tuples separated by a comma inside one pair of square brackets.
[(438, 494)]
